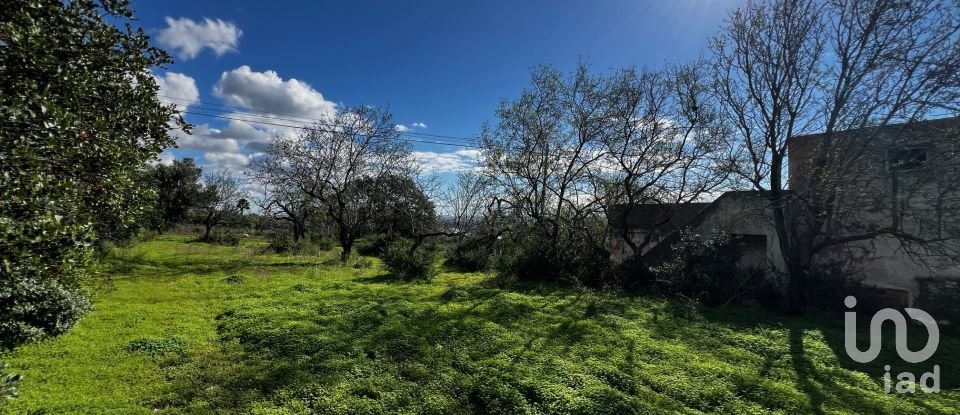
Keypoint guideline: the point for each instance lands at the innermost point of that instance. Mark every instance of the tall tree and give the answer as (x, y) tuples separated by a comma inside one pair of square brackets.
[(785, 68), (177, 189), (79, 118), (538, 161), (219, 201), (282, 199), (336, 161), (661, 148)]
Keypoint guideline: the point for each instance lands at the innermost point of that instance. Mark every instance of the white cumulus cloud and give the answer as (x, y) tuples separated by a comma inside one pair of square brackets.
[(231, 162), (418, 125), (177, 88), (204, 138), (401, 128), (188, 38), (268, 92)]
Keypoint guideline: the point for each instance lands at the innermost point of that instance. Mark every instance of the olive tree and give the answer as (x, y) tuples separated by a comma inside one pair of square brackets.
[(221, 200), (337, 163)]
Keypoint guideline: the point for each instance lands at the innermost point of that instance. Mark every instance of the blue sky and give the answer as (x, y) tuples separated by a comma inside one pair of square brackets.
[(444, 64)]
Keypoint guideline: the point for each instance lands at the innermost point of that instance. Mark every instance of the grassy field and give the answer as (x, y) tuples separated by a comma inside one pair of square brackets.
[(194, 328)]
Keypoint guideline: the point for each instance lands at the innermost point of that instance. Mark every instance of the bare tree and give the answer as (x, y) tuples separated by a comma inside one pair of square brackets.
[(463, 203), (661, 149), (282, 198), (787, 68), (335, 162), (219, 200), (288, 205), (539, 157)]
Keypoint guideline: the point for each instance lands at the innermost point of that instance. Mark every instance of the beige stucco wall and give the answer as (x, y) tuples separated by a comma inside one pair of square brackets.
[(871, 199)]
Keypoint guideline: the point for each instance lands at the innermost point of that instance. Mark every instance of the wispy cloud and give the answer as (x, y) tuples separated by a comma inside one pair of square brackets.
[(188, 38)]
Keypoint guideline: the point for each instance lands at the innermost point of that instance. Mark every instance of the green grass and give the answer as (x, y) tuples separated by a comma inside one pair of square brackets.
[(196, 328)]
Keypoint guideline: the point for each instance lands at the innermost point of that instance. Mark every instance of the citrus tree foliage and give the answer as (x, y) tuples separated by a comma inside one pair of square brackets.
[(177, 188), (79, 118)]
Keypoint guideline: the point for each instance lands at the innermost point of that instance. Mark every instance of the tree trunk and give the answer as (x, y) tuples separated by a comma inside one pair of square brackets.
[(795, 271), (346, 241), (298, 231), (347, 248), (206, 234)]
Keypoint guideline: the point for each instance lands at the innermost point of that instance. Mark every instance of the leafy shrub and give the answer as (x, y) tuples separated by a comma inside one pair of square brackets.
[(407, 265), (708, 271), (156, 346), (70, 176), (533, 258), (473, 254), (32, 308), (9, 384), (227, 238), (362, 263), (371, 245), (321, 242), (234, 279), (283, 244), (280, 244)]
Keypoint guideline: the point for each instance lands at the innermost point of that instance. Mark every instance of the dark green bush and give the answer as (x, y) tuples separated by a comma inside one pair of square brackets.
[(322, 242), (828, 285), (234, 279), (940, 300), (371, 245), (472, 254), (708, 271), (32, 308), (227, 238), (533, 258), (282, 243), (407, 265)]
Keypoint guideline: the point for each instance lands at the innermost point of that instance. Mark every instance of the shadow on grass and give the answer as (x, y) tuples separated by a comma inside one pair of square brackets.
[(479, 349)]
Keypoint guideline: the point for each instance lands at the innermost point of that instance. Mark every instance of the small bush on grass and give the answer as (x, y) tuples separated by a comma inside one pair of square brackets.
[(283, 244), (405, 265), (227, 238), (362, 263), (940, 300), (473, 254), (234, 279), (33, 308), (533, 258), (708, 271), (322, 242), (371, 245), (156, 346), (829, 284)]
